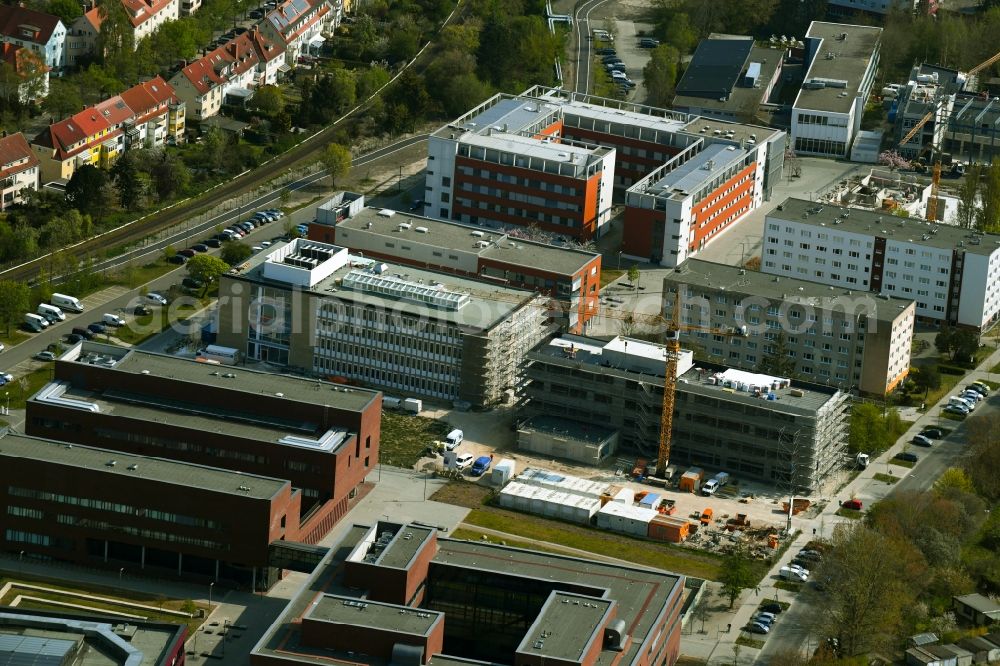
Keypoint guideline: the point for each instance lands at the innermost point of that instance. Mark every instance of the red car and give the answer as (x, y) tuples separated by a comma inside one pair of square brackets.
[(852, 504), (186, 253)]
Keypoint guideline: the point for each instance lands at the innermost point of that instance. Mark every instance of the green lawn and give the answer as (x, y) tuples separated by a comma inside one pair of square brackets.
[(405, 437), (24, 387), (608, 276), (476, 535), (788, 586), (746, 641), (948, 383), (849, 513), (146, 326), (16, 337), (886, 478), (650, 553), (134, 276), (902, 463)]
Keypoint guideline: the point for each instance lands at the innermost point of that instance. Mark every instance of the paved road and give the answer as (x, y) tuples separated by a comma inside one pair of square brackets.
[(584, 43)]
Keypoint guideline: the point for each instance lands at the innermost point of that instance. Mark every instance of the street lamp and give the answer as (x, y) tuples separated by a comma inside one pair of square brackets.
[(210, 586), (121, 572), (6, 396), (619, 259)]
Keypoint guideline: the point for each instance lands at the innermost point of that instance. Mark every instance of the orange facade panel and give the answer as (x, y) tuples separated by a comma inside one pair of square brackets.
[(704, 226)]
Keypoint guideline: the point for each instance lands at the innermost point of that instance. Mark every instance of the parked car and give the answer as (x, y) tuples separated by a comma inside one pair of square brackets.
[(186, 252), (97, 328), (648, 43), (610, 58), (605, 52), (5, 377), (983, 386), (192, 283), (278, 213), (811, 555), (417, 205), (73, 338), (955, 409), (855, 504), (199, 247), (978, 388), (178, 259), (45, 356), (141, 310), (2, 347), (213, 242), (772, 607), (920, 440), (932, 433), (464, 460), (84, 333), (156, 298), (908, 457), (757, 628), (266, 243)]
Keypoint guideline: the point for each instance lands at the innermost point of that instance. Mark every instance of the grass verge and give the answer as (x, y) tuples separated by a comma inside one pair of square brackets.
[(844, 512), (788, 586), (24, 387), (405, 437), (608, 276), (16, 337), (903, 463), (886, 478), (746, 641), (948, 382), (580, 537)]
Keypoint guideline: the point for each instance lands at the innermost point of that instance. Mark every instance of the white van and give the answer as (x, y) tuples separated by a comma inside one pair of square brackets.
[(796, 575), (35, 322), (50, 312), (71, 303), (112, 320), (453, 439)]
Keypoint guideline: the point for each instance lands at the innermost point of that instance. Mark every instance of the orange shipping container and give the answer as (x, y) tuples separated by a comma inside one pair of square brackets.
[(667, 528)]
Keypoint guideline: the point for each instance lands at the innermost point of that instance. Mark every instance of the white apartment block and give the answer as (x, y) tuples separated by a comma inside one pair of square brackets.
[(951, 273), (845, 338), (19, 170), (842, 61)]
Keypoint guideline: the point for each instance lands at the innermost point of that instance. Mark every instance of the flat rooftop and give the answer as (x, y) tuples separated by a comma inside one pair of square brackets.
[(554, 425), (352, 612), (851, 57), (891, 227), (514, 113), (738, 99), (456, 236), (485, 305), (734, 385), (407, 542), (743, 283), (244, 381), (719, 130), (635, 115), (188, 475), (566, 626), (716, 67), (578, 156), (43, 637), (692, 175)]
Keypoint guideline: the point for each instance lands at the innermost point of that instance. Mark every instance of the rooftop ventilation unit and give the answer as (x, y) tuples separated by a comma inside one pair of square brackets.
[(421, 230), (386, 212)]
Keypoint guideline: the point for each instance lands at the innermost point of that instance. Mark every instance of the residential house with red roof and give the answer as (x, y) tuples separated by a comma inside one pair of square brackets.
[(145, 17), (81, 38), (32, 72), (299, 25), (143, 115), (41, 33), (244, 63), (18, 169)]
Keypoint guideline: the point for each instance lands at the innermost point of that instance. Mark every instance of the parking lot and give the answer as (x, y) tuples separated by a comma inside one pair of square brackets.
[(634, 57)]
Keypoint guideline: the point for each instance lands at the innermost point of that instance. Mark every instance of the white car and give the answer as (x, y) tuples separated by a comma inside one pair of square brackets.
[(2, 347), (156, 298), (464, 460), (801, 570)]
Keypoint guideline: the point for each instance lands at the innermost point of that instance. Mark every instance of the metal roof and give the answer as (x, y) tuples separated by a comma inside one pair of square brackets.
[(715, 67), (161, 470), (704, 167)]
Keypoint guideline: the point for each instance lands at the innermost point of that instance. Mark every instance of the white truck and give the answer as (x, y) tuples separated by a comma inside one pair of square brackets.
[(35, 322), (71, 303), (712, 485), (50, 312)]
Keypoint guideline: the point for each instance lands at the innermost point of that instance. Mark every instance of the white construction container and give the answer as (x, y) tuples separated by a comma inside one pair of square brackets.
[(548, 502), (625, 518), (391, 403), (624, 496), (544, 478), (413, 405), (502, 472)]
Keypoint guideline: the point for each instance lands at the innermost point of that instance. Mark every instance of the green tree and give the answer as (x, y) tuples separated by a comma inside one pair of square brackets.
[(130, 180), (337, 161), (868, 432), (345, 88), (954, 477), (737, 575), (206, 268), (983, 459), (268, 100), (968, 193), (679, 34), (370, 80), (88, 190), (234, 253), (943, 341), (988, 215), (170, 175), (14, 302), (213, 148), (169, 252), (777, 362), (660, 74), (115, 43), (927, 378), (67, 10), (404, 42), (633, 274), (63, 98)]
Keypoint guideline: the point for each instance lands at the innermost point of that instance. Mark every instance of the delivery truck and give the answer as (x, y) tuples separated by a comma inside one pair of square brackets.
[(71, 303)]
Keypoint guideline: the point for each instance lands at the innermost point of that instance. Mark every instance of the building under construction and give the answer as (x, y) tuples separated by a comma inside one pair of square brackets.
[(317, 308), (755, 426)]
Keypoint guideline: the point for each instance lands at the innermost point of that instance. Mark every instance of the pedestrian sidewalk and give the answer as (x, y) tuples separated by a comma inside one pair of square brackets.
[(716, 644)]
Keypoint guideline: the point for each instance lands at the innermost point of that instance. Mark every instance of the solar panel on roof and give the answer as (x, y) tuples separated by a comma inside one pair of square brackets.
[(17, 650)]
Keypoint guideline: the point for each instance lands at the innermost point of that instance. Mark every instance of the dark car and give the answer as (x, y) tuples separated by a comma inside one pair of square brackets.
[(417, 205), (192, 283), (921, 440), (648, 43), (141, 310), (611, 59), (186, 252), (213, 242), (256, 14), (852, 504), (771, 608), (199, 247), (908, 457), (73, 338), (605, 52), (178, 259), (932, 433), (84, 333), (97, 327)]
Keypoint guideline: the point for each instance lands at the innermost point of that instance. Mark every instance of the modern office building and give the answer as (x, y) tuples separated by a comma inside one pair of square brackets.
[(841, 63), (878, 6), (702, 192), (110, 509), (728, 78), (953, 274), (569, 274), (391, 593), (843, 338), (315, 307), (769, 428), (29, 636), (638, 139), (323, 439)]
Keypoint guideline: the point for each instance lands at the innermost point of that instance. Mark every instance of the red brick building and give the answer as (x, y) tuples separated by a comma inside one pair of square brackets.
[(321, 438), (569, 274), (419, 599)]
